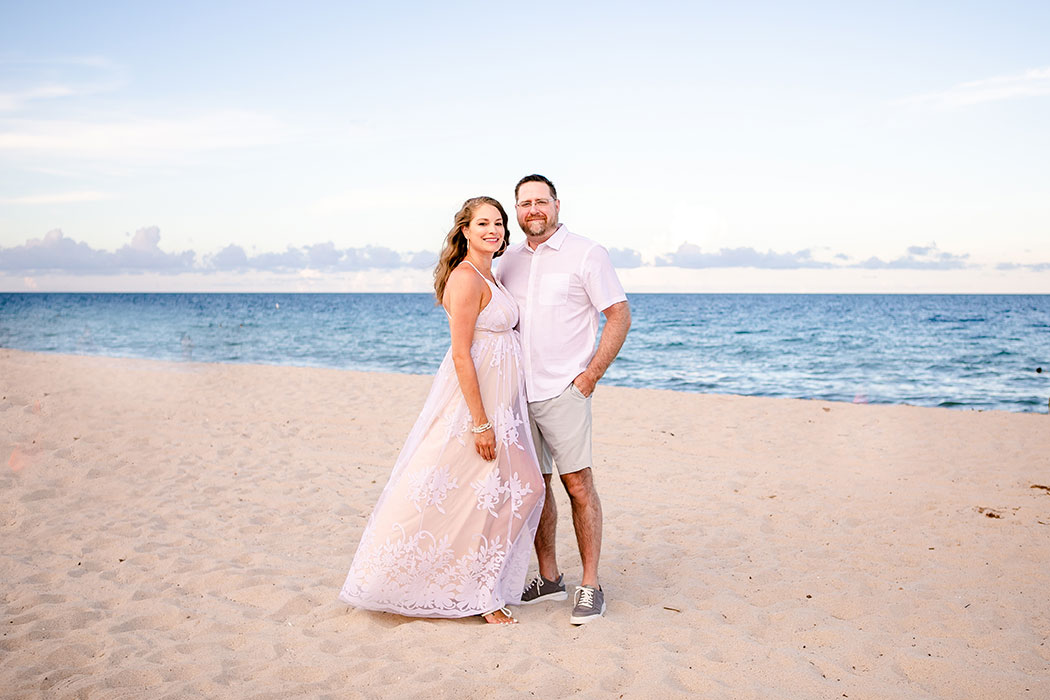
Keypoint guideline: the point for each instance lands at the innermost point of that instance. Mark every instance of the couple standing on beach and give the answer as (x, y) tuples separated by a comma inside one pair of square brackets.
[(471, 489)]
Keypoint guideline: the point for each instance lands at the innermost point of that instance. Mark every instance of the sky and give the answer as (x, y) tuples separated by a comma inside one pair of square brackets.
[(710, 146)]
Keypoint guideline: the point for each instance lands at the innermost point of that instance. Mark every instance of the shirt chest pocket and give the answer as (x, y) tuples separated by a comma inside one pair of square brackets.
[(554, 289)]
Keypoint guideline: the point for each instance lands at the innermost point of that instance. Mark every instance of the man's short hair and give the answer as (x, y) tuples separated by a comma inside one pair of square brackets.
[(535, 178)]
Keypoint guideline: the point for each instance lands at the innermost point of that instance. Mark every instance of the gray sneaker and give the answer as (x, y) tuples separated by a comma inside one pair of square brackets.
[(588, 605), (540, 589)]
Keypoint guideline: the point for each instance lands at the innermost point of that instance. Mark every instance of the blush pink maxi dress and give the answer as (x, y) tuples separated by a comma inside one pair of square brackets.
[(452, 534)]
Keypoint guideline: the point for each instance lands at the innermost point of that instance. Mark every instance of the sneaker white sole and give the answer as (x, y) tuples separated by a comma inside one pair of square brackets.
[(586, 618), (559, 595)]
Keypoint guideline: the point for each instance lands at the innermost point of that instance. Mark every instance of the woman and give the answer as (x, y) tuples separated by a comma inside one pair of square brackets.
[(452, 532)]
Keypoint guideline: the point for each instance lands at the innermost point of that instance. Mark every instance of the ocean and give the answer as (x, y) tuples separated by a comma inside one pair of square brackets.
[(955, 351)]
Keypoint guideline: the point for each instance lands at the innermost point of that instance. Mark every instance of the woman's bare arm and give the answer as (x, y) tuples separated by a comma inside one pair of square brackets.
[(465, 296)]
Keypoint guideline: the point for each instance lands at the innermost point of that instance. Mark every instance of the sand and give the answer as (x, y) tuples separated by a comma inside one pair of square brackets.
[(174, 530)]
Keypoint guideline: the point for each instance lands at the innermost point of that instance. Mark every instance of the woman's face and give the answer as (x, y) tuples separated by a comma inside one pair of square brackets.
[(486, 230)]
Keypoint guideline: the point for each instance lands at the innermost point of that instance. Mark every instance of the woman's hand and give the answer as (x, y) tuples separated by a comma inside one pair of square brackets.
[(485, 444)]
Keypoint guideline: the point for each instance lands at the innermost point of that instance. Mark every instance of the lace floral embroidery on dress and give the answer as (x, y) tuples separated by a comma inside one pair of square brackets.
[(517, 491), (457, 423), (492, 491), (421, 572), (430, 487), (506, 425), (498, 346), (502, 348), (478, 571), (489, 492)]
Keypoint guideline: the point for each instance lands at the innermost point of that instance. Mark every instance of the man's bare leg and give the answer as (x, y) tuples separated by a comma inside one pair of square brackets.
[(586, 519), (545, 534)]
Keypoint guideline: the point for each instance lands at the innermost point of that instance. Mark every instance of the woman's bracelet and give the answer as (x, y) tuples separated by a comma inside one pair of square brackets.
[(481, 428)]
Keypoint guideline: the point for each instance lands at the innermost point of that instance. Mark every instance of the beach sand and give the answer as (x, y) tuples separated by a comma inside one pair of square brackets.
[(180, 530)]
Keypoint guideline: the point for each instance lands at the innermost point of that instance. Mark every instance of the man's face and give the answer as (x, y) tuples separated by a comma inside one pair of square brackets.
[(537, 209)]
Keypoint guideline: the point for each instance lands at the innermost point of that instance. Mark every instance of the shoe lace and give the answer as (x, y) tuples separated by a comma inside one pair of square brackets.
[(585, 596), (534, 583)]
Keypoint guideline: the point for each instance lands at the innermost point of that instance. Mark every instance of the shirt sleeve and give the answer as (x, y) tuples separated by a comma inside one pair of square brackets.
[(600, 280)]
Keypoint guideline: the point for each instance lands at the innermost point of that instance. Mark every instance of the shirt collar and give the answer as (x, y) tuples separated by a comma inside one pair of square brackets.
[(556, 239)]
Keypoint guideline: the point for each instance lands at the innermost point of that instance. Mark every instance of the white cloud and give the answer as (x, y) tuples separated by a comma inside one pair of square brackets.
[(625, 257), (692, 256), (1034, 267), (320, 256), (11, 101), (52, 78), (58, 198), (138, 138), (924, 257), (379, 268), (52, 252), (57, 252), (917, 257), (1031, 83)]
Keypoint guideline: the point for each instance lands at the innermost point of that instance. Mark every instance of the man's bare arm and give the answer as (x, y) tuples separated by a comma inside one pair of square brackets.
[(617, 323)]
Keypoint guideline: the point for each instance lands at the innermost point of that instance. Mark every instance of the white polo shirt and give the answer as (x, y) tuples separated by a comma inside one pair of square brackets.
[(560, 288)]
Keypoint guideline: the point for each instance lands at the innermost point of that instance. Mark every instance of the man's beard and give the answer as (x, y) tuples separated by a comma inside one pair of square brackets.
[(528, 228)]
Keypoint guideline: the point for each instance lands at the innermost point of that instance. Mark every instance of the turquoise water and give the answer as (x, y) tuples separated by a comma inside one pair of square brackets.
[(959, 351)]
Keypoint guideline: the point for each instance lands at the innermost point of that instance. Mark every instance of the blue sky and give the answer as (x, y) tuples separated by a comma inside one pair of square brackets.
[(712, 146)]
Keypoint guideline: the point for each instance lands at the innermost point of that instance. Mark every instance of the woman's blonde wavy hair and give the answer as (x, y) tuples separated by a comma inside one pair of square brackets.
[(455, 248)]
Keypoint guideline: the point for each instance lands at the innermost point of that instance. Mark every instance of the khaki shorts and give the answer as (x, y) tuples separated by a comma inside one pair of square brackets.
[(561, 431)]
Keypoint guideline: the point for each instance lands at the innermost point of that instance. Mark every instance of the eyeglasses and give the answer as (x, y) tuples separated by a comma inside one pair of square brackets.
[(527, 204)]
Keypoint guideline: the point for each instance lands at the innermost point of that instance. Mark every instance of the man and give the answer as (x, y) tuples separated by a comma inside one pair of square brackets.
[(561, 282)]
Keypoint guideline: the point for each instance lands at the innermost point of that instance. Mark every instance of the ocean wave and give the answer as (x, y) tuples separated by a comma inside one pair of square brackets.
[(957, 351)]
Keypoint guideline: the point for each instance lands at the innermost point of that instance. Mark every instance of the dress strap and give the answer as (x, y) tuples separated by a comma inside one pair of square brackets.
[(487, 281), (476, 270)]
